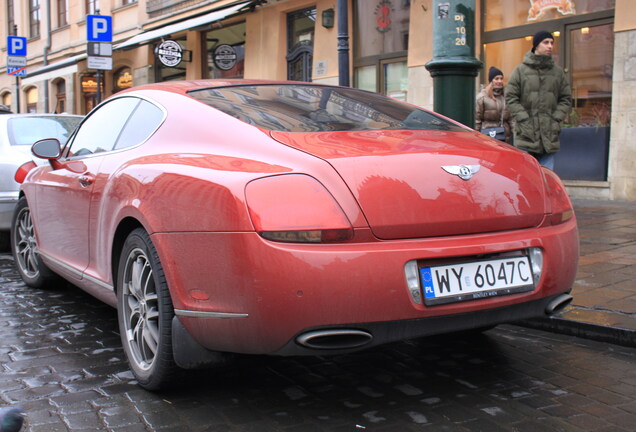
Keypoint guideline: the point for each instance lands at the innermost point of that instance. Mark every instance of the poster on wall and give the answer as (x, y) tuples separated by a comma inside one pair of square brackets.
[(538, 7)]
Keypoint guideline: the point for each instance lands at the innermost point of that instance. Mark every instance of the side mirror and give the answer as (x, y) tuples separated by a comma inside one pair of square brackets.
[(48, 148)]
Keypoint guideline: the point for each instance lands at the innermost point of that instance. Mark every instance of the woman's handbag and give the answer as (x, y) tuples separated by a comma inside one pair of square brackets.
[(495, 132), (498, 132)]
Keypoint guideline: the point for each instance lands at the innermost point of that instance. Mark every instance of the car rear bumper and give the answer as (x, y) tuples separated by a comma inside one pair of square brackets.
[(236, 292)]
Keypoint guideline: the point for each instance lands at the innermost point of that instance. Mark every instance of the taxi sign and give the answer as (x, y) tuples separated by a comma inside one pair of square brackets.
[(17, 71)]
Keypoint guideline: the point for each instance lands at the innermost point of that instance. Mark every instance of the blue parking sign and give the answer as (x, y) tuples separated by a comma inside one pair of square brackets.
[(99, 28), (16, 46)]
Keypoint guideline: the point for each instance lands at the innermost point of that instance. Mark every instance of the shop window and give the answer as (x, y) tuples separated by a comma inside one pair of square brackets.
[(300, 44), (89, 91), (507, 55), (584, 48), (60, 96), (381, 38), (225, 52), (503, 14), (591, 74), (123, 79), (171, 73), (5, 102), (32, 99)]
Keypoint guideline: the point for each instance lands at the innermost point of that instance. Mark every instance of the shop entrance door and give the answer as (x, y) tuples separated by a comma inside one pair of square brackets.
[(589, 54)]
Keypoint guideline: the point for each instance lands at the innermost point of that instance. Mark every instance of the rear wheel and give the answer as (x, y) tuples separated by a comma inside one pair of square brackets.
[(145, 312), (25, 248)]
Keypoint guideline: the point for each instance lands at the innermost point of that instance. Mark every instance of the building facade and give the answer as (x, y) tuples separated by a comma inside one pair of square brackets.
[(390, 43)]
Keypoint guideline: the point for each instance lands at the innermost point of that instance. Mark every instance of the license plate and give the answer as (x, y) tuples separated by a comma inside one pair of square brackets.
[(475, 280)]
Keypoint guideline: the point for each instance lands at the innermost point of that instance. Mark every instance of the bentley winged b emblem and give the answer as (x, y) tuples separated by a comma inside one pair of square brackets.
[(464, 172)]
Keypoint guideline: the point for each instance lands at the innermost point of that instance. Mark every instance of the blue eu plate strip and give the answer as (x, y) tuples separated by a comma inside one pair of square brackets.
[(427, 282)]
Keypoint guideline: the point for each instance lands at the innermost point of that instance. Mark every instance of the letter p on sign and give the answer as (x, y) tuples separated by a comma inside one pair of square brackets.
[(99, 28), (17, 46)]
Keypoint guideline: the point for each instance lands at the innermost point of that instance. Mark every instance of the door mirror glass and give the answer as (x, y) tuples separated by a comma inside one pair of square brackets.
[(47, 148)]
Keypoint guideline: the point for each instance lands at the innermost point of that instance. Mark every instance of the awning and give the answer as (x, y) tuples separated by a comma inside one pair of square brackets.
[(183, 25)]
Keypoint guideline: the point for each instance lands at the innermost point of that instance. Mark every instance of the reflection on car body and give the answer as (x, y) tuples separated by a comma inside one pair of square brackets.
[(290, 219)]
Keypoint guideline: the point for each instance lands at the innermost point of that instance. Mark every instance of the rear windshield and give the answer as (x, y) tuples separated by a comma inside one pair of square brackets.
[(27, 130), (298, 108)]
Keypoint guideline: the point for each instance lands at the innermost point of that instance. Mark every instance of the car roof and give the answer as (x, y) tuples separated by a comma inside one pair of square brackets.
[(183, 87)]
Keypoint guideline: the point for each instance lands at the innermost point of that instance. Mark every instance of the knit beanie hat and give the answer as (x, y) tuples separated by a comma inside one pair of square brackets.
[(539, 37), (493, 72)]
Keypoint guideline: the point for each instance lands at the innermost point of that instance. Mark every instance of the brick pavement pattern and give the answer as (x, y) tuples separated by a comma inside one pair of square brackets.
[(604, 305), (61, 360)]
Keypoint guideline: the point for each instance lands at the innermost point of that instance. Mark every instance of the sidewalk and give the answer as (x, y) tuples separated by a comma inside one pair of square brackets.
[(604, 305)]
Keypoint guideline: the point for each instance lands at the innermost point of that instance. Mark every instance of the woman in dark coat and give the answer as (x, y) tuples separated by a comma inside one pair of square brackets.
[(491, 103)]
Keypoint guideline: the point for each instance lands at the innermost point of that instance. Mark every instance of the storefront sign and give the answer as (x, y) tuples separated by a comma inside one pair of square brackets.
[(123, 80), (89, 84), (383, 16), (169, 53), (225, 57), (537, 7)]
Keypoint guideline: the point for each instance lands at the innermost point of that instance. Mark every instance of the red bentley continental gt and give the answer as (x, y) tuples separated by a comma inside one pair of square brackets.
[(290, 219)]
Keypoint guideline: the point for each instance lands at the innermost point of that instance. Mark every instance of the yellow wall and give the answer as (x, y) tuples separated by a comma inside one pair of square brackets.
[(267, 35), (625, 15)]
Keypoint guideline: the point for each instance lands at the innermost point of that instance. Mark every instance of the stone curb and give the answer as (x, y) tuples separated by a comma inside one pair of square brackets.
[(603, 326)]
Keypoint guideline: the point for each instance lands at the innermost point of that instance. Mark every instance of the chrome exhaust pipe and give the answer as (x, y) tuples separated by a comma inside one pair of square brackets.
[(558, 303), (334, 339)]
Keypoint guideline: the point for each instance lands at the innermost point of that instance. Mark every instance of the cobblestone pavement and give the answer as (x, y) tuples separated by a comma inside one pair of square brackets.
[(604, 305), (62, 361)]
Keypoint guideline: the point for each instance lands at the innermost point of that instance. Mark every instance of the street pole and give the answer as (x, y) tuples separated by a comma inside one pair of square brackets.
[(343, 43), (99, 87), (17, 94), (454, 66), (17, 78)]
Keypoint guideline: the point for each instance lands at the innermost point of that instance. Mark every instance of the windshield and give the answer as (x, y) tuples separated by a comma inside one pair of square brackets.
[(24, 131), (300, 108)]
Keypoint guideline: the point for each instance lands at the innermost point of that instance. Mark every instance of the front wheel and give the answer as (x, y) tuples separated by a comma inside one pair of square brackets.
[(145, 312), (25, 248)]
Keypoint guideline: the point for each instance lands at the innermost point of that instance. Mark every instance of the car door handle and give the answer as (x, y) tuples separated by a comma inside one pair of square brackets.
[(86, 180)]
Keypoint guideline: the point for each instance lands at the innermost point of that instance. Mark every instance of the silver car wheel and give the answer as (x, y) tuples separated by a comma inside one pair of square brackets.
[(26, 245), (140, 309)]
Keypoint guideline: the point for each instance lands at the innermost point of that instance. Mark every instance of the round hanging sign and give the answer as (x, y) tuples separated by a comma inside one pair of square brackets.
[(169, 53), (225, 57)]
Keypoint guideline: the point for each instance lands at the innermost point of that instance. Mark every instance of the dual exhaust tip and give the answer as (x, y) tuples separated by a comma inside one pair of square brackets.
[(338, 339), (558, 303), (334, 339)]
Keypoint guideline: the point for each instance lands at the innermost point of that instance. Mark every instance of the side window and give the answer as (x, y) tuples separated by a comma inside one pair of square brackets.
[(99, 132), (142, 123)]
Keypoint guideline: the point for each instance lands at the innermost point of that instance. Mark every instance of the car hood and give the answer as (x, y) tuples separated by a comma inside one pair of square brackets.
[(409, 183)]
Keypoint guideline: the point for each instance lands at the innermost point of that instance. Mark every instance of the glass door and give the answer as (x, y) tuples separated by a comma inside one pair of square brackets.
[(590, 62)]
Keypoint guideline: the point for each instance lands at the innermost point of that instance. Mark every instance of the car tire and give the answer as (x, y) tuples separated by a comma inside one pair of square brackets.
[(145, 312), (25, 249)]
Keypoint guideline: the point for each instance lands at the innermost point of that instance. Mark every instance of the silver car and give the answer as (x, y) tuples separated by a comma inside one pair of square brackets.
[(17, 133)]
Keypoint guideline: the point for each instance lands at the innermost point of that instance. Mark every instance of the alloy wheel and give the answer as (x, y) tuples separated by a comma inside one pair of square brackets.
[(25, 245), (140, 309)]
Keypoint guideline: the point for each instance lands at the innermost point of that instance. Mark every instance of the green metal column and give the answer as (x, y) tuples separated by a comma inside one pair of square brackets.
[(454, 66)]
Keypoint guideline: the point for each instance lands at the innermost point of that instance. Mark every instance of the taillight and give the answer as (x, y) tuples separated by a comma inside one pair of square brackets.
[(296, 208), (23, 170), (560, 206)]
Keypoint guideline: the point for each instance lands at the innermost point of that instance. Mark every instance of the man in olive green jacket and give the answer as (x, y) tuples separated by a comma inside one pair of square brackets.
[(538, 98)]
